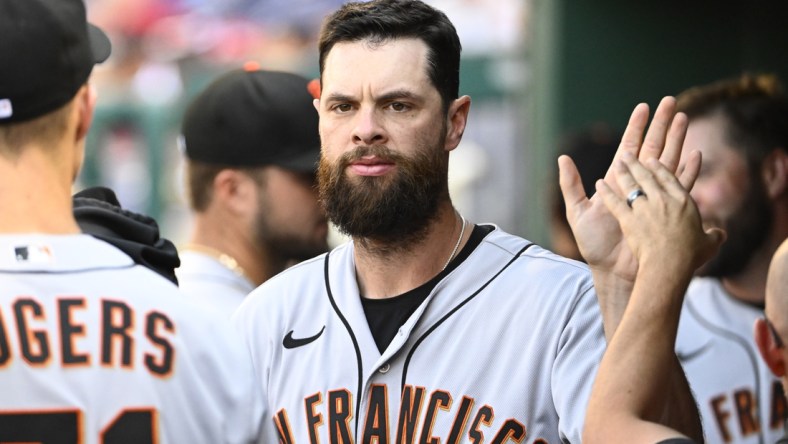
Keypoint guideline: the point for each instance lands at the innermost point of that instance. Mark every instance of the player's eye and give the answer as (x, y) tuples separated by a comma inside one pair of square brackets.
[(342, 107), (398, 106)]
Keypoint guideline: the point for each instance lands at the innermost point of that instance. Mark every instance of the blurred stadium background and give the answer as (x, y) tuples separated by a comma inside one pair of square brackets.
[(536, 69)]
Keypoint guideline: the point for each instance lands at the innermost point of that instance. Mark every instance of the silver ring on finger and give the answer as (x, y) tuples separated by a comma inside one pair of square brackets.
[(634, 194)]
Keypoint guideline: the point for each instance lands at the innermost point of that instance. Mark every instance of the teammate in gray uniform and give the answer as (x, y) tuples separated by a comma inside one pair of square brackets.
[(771, 328), (425, 326), (93, 347), (252, 147), (741, 127)]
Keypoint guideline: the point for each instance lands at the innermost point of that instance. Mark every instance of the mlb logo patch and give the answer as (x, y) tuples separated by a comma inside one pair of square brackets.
[(34, 254), (6, 110)]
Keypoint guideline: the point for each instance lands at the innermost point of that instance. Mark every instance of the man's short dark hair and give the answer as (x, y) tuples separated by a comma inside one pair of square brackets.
[(379, 21), (754, 108), (200, 177)]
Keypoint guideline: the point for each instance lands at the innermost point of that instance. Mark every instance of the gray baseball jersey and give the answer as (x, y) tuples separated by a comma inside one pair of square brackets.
[(505, 347), (203, 278), (739, 398), (96, 349)]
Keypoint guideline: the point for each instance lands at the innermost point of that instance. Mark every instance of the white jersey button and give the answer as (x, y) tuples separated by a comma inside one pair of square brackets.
[(385, 368)]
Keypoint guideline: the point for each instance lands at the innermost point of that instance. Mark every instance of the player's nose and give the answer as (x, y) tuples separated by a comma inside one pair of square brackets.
[(368, 129)]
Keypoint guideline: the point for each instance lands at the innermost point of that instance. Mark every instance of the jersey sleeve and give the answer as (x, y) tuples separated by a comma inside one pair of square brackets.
[(580, 349), (251, 411), (233, 381), (251, 325)]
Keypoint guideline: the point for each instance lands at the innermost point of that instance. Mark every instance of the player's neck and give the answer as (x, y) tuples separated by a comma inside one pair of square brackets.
[(385, 271), (234, 251), (35, 195)]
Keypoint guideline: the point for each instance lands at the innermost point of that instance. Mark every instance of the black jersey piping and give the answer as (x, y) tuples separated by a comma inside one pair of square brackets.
[(739, 341), (454, 310), (352, 338)]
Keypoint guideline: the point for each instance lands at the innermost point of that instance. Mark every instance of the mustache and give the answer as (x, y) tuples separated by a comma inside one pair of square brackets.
[(380, 151)]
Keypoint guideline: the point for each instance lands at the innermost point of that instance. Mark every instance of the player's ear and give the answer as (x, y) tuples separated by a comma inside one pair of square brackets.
[(85, 105), (775, 173), (234, 190), (771, 354), (457, 118)]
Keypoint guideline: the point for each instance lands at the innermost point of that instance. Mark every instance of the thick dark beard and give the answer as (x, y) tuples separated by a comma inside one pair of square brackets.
[(394, 212), (283, 247), (747, 228)]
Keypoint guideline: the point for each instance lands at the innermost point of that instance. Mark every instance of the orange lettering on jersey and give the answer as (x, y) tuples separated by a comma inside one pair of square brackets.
[(69, 331), (409, 413), (154, 324), (721, 416), (511, 430), (283, 427), (313, 419), (439, 400), (340, 410), (746, 409), (34, 343), (484, 416), (778, 410), (461, 420), (117, 322), (376, 426), (5, 348)]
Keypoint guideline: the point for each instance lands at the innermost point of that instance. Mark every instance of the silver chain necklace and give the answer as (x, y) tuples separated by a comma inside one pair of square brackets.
[(457, 245)]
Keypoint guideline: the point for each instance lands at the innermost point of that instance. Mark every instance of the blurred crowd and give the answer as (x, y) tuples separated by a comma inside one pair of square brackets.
[(166, 51)]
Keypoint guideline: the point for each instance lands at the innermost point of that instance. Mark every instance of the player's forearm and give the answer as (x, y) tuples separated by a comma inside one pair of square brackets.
[(656, 307), (613, 295), (640, 380), (662, 283), (680, 411)]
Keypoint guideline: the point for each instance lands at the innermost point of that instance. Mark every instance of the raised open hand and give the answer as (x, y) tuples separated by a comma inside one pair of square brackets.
[(596, 230)]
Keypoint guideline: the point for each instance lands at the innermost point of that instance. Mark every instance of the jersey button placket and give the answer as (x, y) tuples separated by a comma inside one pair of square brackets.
[(385, 368)]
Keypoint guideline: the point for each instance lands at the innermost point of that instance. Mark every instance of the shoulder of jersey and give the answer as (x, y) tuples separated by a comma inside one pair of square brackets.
[(514, 244), (60, 253)]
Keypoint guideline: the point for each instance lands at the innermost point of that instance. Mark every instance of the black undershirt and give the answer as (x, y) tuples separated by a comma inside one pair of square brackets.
[(386, 316)]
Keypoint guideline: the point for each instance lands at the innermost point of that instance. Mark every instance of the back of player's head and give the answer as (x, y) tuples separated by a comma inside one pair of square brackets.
[(47, 51), (754, 109), (248, 119), (777, 285), (379, 21)]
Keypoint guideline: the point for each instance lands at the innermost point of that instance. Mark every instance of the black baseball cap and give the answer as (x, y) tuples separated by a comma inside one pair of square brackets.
[(47, 51), (250, 118)]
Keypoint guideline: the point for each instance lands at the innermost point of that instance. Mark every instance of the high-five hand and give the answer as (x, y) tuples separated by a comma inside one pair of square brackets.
[(596, 230)]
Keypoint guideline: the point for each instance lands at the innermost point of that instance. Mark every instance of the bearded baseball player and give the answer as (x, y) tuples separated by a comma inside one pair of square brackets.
[(93, 347), (425, 327), (251, 146), (741, 127)]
